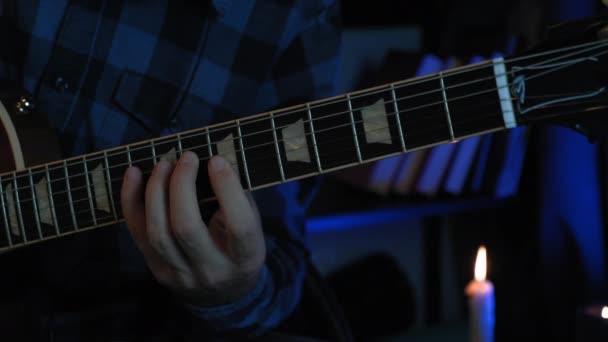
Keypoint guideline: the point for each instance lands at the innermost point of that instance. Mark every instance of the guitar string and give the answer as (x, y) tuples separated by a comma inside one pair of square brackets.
[(344, 138), (382, 151), (274, 156), (113, 181), (111, 216), (340, 99), (148, 146), (316, 132), (101, 218), (173, 142), (24, 200), (114, 187), (88, 187)]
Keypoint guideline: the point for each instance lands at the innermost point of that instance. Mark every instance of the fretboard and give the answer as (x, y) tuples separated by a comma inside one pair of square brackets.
[(82, 193)]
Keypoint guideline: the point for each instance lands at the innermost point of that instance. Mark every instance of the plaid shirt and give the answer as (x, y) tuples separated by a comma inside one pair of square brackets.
[(114, 72)]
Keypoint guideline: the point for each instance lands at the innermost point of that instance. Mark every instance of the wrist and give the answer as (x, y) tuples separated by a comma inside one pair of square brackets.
[(226, 293), (215, 309)]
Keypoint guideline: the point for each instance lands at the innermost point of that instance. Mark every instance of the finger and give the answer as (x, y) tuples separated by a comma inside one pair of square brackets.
[(157, 217), (239, 215), (186, 222), (230, 194), (131, 202)]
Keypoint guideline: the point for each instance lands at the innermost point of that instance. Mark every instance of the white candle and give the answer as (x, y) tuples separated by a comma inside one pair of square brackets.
[(481, 301)]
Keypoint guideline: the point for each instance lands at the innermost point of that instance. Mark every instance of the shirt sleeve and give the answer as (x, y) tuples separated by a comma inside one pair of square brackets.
[(306, 70)]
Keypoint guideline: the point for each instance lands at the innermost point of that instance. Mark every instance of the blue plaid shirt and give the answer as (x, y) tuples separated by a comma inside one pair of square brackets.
[(113, 72)]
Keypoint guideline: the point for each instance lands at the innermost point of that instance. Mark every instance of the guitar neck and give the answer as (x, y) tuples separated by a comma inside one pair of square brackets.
[(82, 193)]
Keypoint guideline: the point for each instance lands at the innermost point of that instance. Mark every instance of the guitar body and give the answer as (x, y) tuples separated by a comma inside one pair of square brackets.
[(26, 139)]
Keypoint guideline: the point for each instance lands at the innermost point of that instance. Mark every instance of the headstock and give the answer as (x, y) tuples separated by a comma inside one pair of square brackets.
[(564, 79)]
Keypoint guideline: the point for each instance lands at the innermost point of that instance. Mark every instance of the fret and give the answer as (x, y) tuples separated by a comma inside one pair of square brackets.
[(197, 143), (376, 123), (397, 117), (447, 107), (109, 184), (80, 195), (59, 197), (100, 194), (12, 215), (276, 145), (153, 149), (35, 203), (296, 145), (167, 148), (41, 202), (180, 150), (223, 139), (422, 112), (314, 139), (118, 160), (337, 128), (69, 194), (209, 146), (141, 156), (474, 108), (51, 201), (89, 192), (5, 217), (129, 155), (245, 170), (352, 121), (27, 205), (263, 160), (18, 206)]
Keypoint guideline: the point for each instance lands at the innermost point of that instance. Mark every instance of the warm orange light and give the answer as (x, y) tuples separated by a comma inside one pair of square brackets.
[(481, 264), (605, 312)]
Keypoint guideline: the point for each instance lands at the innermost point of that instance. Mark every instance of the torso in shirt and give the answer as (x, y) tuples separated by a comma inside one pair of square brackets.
[(113, 72)]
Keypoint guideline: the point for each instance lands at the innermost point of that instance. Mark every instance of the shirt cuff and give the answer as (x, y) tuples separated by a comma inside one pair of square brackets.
[(236, 314)]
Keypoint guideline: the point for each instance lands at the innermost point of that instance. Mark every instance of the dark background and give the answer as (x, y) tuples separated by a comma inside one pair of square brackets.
[(547, 262)]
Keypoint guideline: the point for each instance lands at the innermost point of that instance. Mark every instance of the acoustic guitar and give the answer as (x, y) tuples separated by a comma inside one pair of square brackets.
[(562, 81)]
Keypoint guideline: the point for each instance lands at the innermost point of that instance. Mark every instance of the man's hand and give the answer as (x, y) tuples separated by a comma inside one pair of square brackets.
[(205, 264)]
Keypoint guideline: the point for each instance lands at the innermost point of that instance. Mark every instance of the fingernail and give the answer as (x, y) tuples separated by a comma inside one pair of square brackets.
[(162, 166), (188, 157), (217, 164)]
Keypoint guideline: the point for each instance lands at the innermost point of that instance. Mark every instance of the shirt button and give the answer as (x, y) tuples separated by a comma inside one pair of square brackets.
[(61, 84)]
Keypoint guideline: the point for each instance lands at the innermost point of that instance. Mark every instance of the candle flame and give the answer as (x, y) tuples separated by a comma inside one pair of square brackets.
[(481, 264), (605, 312)]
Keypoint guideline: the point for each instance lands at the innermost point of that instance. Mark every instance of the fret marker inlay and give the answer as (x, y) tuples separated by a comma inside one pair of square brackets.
[(102, 200), (375, 123), (170, 156), (225, 148), (12, 210), (294, 138), (44, 203)]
